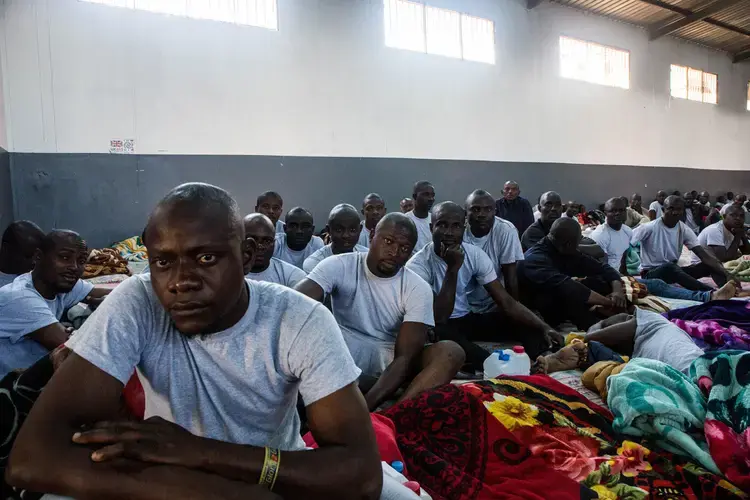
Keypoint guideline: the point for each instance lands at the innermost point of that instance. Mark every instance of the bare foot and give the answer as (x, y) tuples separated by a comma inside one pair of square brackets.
[(725, 293), (566, 358)]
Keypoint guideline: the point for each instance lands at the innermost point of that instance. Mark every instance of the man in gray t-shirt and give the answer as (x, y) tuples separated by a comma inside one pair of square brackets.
[(266, 267), (454, 270), (297, 242), (343, 228), (31, 307), (384, 310), (222, 361)]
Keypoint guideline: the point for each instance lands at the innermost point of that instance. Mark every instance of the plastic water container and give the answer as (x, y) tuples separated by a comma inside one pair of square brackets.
[(507, 362)]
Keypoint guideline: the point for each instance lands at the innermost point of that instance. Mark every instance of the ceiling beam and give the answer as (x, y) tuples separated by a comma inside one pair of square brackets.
[(686, 13), (698, 14), (530, 4), (741, 55)]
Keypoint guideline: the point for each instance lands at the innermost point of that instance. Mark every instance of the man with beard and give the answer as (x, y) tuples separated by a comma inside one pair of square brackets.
[(499, 240), (20, 241), (454, 270), (343, 228), (513, 208), (31, 306), (266, 267), (271, 205), (373, 208), (297, 242), (222, 360), (424, 198), (384, 311)]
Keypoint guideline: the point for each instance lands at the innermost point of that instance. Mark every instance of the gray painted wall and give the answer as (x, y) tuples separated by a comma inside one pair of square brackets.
[(108, 197), (6, 191)]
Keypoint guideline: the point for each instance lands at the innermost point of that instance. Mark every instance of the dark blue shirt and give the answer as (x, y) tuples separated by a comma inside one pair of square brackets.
[(518, 212)]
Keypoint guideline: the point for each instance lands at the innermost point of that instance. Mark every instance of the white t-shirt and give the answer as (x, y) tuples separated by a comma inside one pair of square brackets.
[(369, 309), (296, 258), (280, 226), (239, 385), (657, 207), (715, 234), (657, 338), (662, 245), (613, 243), (279, 272), (364, 237), (325, 252), (6, 279), (424, 234), (690, 221), (476, 271), (23, 310), (503, 246)]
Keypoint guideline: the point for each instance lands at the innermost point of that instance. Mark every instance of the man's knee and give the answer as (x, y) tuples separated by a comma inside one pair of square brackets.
[(448, 354)]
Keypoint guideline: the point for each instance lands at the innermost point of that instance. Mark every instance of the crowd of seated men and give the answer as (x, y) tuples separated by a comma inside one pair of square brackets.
[(230, 328)]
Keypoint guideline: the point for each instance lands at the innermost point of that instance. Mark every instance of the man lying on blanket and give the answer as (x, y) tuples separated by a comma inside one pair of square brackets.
[(32, 305), (222, 357)]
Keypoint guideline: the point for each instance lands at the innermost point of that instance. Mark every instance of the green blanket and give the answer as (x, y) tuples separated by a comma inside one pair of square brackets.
[(651, 399)]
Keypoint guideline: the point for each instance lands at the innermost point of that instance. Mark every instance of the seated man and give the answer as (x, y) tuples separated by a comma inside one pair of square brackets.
[(661, 245), (634, 217), (636, 203), (384, 311), (614, 239), (727, 238), (271, 205), (498, 238), (550, 206), (692, 217), (373, 208), (424, 198), (31, 306), (738, 201), (222, 361), (454, 270), (266, 267), (656, 209), (649, 335), (20, 241), (547, 279), (343, 228), (297, 242)]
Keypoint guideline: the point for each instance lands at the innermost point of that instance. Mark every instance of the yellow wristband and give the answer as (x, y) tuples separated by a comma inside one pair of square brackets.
[(270, 468)]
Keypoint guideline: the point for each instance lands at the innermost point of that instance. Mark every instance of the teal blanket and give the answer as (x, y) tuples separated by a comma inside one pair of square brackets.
[(651, 399)]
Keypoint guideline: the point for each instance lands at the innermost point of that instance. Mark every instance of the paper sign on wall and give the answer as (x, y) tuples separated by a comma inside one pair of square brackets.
[(122, 146)]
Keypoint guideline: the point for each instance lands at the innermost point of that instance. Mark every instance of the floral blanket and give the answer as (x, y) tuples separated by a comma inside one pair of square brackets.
[(724, 378), (522, 437)]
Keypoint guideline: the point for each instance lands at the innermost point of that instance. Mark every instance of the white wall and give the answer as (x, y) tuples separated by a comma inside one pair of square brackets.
[(78, 75)]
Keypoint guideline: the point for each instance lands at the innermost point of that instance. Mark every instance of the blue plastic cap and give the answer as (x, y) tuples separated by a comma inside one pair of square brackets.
[(398, 466)]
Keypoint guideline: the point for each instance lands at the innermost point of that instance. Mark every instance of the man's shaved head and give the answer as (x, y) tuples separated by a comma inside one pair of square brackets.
[(424, 197), (372, 197), (511, 190), (257, 220), (19, 242), (210, 203), (268, 194), (478, 193), (565, 235), (392, 243), (298, 211), (550, 206), (447, 207), (400, 221), (342, 210), (58, 237), (674, 208)]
